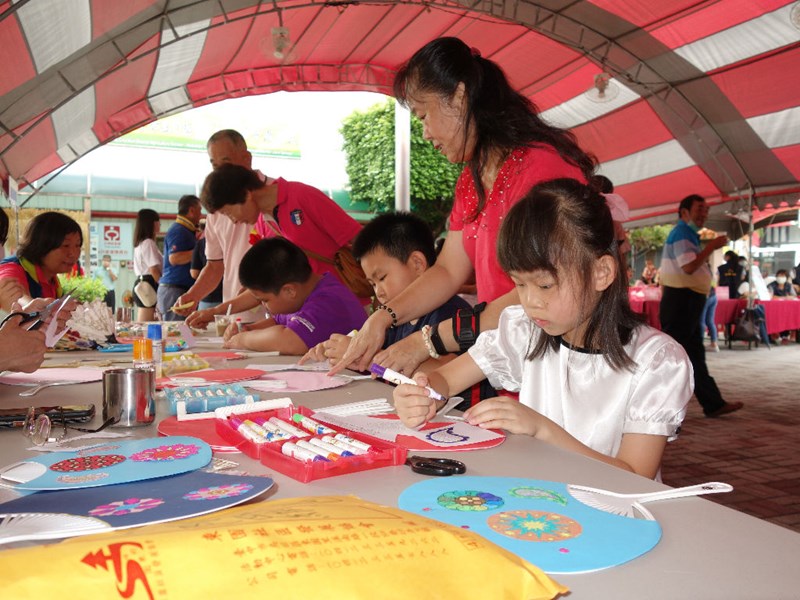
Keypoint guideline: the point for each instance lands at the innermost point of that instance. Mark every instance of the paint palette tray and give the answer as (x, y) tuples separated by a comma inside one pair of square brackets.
[(271, 453), (199, 399)]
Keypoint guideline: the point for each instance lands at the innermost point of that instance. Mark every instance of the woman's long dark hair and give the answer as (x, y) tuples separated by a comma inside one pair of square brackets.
[(145, 228), (503, 118), (563, 227), (45, 233)]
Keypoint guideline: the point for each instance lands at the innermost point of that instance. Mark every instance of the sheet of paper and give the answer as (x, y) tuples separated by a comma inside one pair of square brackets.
[(449, 435), (51, 335)]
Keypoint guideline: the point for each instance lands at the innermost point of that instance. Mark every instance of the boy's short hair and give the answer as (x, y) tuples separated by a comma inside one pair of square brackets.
[(398, 234), (272, 263)]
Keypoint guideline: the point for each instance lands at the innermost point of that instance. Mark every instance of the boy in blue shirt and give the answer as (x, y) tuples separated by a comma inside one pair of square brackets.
[(394, 249), (305, 308)]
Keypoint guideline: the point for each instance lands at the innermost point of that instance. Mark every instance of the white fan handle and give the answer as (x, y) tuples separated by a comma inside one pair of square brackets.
[(712, 487)]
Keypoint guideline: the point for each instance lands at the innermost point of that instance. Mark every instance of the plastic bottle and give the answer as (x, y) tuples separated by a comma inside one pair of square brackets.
[(142, 353), (154, 334)]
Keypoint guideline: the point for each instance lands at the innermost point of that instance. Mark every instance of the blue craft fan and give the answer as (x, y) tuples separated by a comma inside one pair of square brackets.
[(537, 520), (110, 463), (129, 504)]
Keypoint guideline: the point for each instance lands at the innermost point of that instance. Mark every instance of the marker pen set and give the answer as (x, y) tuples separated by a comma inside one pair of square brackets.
[(292, 442), (304, 446)]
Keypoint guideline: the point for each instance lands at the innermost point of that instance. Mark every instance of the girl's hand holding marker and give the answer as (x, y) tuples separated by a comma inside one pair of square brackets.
[(415, 401)]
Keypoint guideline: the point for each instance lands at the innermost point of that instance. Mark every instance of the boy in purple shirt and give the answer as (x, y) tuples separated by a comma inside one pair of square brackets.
[(305, 308)]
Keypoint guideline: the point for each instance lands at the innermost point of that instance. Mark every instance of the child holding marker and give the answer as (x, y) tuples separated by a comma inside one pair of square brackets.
[(305, 308), (394, 249), (592, 377)]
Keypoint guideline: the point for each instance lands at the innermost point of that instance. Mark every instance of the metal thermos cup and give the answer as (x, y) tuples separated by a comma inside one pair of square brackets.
[(129, 396)]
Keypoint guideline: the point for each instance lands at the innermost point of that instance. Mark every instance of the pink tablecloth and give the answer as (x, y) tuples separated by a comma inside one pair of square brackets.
[(781, 315)]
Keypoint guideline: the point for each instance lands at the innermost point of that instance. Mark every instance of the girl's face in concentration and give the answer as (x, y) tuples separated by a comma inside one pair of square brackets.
[(553, 305)]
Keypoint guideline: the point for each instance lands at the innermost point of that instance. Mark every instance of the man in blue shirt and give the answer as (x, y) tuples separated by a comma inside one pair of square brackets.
[(106, 274), (178, 246), (686, 281)]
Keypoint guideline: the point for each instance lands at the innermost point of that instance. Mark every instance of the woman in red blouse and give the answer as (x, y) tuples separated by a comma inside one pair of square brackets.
[(472, 115)]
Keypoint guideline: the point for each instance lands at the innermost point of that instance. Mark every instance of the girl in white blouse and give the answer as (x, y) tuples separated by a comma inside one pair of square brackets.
[(591, 377), (147, 262)]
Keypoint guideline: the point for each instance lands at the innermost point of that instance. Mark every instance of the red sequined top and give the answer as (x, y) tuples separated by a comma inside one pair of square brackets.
[(523, 169)]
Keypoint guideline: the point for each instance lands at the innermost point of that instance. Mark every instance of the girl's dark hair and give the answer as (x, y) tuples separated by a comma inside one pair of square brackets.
[(272, 263), (398, 234), (3, 227), (228, 184), (563, 227), (145, 228), (45, 233), (503, 118)]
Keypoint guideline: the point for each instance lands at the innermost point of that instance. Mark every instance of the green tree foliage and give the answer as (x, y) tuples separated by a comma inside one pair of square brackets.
[(369, 148), (83, 289), (649, 239)]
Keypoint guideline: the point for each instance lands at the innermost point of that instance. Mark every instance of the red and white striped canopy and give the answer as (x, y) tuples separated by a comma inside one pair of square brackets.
[(702, 95)]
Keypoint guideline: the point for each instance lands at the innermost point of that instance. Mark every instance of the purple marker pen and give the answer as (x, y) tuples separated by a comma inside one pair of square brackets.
[(246, 430), (397, 378)]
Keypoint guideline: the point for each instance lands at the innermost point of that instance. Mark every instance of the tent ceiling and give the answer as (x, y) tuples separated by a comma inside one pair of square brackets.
[(703, 96)]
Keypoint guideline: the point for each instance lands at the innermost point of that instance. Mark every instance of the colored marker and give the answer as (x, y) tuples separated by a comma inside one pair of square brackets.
[(343, 445), (330, 447), (332, 456), (246, 431), (353, 442), (274, 432), (301, 454), (397, 378), (290, 429), (255, 427), (311, 425)]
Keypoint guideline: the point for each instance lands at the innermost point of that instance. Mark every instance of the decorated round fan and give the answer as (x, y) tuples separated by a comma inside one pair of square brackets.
[(15, 527), (209, 376), (204, 429)]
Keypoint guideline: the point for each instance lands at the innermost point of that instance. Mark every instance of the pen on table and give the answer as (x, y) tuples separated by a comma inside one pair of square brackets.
[(397, 378)]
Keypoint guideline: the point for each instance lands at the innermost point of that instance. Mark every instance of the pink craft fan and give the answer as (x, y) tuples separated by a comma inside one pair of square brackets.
[(209, 376), (296, 382)]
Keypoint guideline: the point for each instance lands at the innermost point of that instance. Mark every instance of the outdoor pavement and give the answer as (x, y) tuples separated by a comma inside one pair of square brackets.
[(757, 449)]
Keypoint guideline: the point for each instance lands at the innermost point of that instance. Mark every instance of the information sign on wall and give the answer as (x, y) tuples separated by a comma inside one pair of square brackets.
[(112, 238)]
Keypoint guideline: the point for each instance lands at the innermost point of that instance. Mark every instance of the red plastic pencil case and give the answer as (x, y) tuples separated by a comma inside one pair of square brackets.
[(381, 453)]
